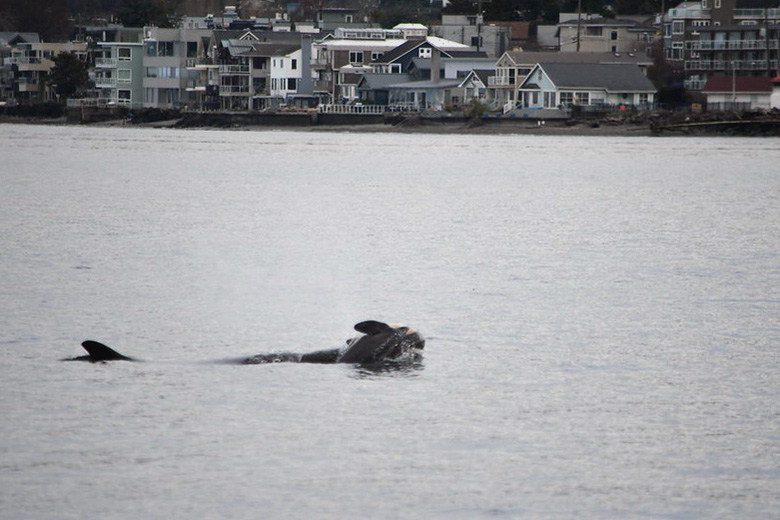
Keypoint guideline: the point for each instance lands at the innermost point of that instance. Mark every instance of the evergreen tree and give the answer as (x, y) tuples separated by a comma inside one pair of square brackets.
[(68, 76), (49, 18), (138, 13)]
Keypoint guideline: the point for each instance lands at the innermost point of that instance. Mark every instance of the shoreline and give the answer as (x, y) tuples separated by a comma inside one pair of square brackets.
[(447, 126)]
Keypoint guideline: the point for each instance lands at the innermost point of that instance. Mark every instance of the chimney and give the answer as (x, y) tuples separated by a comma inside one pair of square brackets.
[(305, 86), (435, 65)]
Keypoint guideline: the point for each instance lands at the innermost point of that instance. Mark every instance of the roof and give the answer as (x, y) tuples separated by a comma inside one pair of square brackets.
[(737, 84), (271, 49), (13, 38), (481, 75), (443, 83), (607, 22), (532, 58), (380, 81), (613, 78)]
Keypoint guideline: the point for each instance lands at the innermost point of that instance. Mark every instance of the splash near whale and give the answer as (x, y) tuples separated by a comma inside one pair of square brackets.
[(377, 343)]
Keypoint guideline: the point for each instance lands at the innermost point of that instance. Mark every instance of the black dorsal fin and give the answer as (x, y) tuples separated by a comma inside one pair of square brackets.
[(372, 328), (100, 352)]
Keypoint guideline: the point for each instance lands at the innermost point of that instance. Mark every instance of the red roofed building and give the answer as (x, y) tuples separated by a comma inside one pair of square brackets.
[(738, 92)]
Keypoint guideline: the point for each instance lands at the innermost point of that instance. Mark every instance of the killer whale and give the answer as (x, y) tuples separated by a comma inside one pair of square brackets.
[(378, 342)]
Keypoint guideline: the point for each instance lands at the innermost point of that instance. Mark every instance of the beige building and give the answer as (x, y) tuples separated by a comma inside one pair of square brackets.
[(604, 35)]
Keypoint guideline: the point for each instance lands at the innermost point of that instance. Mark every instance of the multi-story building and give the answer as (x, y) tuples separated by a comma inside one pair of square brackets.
[(119, 70), (167, 55), (711, 38), (8, 41), (471, 30), (30, 63), (604, 35)]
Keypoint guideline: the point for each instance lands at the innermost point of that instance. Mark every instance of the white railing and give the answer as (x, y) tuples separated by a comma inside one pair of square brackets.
[(727, 66), (234, 69), (713, 45), (499, 81), (352, 109), (689, 13), (694, 84), (756, 13), (105, 82), (105, 62)]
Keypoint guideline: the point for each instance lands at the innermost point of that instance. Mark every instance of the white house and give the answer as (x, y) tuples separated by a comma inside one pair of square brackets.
[(738, 92), (287, 74)]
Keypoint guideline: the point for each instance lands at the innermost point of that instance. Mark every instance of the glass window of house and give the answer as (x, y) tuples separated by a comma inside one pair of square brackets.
[(123, 53)]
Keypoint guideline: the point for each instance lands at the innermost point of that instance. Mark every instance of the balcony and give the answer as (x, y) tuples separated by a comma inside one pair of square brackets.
[(694, 84), (731, 45), (105, 63), (499, 81), (756, 14), (105, 82), (234, 69), (728, 65), (689, 14), (233, 90)]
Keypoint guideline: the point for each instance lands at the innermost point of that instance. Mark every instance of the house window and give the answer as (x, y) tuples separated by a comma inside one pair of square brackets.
[(395, 68), (549, 100), (717, 4), (613, 36), (294, 64), (566, 98), (123, 54), (678, 27), (123, 75), (356, 57), (192, 49), (123, 95), (376, 55), (704, 4), (593, 31), (644, 99), (165, 48), (348, 18), (476, 41), (582, 98), (677, 51), (424, 52), (292, 83)]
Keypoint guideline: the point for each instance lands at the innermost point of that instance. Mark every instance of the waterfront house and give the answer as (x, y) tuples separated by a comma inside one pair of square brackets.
[(119, 71), (738, 93), (28, 62), (586, 85), (514, 66), (169, 55)]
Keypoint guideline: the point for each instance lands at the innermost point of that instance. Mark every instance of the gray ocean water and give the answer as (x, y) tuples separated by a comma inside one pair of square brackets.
[(602, 315)]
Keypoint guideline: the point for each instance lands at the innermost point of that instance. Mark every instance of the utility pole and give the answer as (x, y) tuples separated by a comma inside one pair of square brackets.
[(579, 22)]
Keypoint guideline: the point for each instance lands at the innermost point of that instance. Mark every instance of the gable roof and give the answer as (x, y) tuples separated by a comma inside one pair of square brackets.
[(613, 78), (381, 81), (532, 58), (446, 47), (479, 75), (15, 38), (737, 84)]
